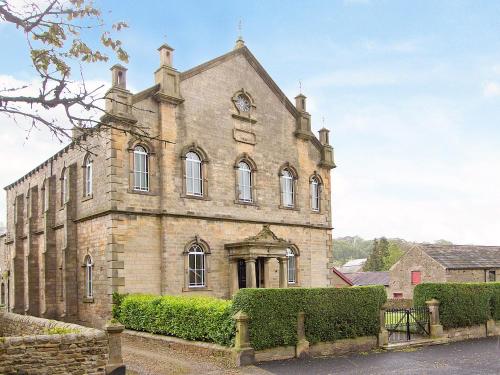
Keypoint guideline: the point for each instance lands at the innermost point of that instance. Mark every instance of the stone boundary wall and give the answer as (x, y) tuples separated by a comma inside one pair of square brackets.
[(26, 348), (491, 328), (195, 347), (320, 349)]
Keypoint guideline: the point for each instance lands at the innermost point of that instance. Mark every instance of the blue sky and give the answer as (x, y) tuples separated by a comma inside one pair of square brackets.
[(410, 91)]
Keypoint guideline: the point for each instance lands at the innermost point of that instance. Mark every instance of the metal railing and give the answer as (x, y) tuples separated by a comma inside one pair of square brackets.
[(407, 324)]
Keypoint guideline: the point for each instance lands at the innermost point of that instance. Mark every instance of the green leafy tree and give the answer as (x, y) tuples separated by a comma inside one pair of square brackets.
[(394, 254), (61, 38), (375, 261)]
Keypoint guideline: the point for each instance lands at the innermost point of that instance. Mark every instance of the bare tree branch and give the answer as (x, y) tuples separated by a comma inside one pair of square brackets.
[(53, 38)]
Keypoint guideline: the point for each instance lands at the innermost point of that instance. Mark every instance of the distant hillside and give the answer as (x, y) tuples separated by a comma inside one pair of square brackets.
[(355, 247)]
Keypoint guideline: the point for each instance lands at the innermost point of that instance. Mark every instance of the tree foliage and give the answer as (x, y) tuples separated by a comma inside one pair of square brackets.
[(61, 37)]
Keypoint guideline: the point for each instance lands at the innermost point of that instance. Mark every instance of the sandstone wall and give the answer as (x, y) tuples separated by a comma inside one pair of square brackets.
[(414, 260), (27, 348)]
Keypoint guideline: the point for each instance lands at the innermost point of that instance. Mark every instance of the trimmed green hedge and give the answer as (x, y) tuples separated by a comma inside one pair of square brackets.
[(191, 318), (461, 304), (331, 313)]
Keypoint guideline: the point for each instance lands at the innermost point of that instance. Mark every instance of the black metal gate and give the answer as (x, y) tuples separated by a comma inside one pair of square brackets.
[(407, 324)]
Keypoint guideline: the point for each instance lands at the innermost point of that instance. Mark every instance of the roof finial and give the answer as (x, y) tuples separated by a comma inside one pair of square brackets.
[(300, 86), (240, 42)]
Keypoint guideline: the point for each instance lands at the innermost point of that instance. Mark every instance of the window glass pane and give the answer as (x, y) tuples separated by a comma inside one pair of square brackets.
[(291, 266), (287, 189), (193, 174), (196, 266)]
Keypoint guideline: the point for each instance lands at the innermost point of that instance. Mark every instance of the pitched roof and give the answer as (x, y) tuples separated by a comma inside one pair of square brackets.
[(245, 52), (369, 278), (353, 265), (342, 276), (464, 256), (355, 262)]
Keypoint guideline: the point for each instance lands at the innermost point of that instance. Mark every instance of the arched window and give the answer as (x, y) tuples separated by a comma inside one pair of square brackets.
[(292, 266), (315, 194), (89, 285), (88, 176), (287, 189), (64, 186), (244, 182), (196, 266), (194, 177), (141, 169)]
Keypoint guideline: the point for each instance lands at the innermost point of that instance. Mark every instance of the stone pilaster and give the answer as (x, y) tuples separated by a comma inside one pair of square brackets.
[(18, 263), (383, 335), (302, 347), (436, 329), (71, 266), (243, 353), (32, 255), (115, 364), (48, 283)]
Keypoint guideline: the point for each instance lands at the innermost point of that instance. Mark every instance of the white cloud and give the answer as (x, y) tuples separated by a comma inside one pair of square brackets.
[(409, 170), (491, 89), (24, 146)]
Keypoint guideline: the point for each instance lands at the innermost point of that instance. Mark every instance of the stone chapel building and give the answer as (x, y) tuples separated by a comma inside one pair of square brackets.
[(237, 194)]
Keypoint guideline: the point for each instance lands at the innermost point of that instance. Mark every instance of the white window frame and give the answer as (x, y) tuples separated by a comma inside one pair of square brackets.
[(89, 282), (89, 173), (141, 168), (315, 195), (199, 270), (245, 187), (287, 189), (291, 266), (194, 184)]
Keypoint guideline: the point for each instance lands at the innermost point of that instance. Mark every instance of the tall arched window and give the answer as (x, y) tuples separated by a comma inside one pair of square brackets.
[(315, 194), (89, 284), (141, 169), (287, 189), (196, 266), (194, 177), (88, 176), (64, 186), (244, 182), (292, 266)]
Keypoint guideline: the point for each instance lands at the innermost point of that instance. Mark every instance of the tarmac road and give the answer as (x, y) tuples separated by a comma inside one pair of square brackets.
[(470, 357)]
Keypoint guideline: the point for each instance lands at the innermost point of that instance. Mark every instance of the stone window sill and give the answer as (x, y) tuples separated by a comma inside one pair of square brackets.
[(195, 289), (197, 197), (88, 299), (242, 203), (87, 197), (288, 208), (141, 192)]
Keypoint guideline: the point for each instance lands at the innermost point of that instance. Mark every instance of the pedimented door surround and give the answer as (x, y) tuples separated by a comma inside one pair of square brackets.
[(263, 246)]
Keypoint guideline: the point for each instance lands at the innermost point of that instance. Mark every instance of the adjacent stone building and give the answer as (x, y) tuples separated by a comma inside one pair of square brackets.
[(443, 263), (232, 190)]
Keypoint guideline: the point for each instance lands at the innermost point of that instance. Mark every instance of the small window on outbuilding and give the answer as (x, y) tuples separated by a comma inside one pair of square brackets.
[(397, 295)]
